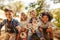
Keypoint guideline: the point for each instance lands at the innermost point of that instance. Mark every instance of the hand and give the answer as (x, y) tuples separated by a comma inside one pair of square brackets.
[(49, 30), (42, 38), (41, 29), (18, 28), (33, 30)]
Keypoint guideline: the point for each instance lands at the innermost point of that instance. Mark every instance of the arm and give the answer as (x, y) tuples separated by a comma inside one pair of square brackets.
[(1, 24), (32, 29), (50, 32), (18, 26)]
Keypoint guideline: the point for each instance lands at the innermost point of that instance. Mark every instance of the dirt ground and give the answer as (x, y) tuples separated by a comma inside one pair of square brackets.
[(2, 34)]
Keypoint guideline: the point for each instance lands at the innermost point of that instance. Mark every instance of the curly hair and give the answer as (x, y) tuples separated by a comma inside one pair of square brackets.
[(50, 16)]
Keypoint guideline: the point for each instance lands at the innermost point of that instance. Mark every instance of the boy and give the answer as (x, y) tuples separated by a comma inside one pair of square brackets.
[(46, 25), (11, 26)]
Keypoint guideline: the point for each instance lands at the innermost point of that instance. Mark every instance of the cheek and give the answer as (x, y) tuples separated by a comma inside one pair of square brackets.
[(45, 19), (22, 17), (9, 16), (31, 15), (25, 17)]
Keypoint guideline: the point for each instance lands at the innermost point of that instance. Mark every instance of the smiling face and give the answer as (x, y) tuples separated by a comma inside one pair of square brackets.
[(33, 14), (9, 15), (45, 18), (34, 21), (23, 16)]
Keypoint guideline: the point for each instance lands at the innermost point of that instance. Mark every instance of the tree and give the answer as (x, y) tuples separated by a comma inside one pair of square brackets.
[(56, 15), (17, 6), (40, 4), (56, 1)]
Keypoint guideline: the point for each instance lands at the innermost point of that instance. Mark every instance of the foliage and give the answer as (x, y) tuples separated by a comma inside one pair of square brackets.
[(17, 6), (40, 4), (56, 15)]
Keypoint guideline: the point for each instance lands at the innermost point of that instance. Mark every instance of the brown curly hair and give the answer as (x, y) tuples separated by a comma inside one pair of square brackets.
[(50, 16)]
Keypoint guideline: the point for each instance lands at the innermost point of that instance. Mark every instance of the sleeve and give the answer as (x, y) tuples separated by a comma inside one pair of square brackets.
[(1, 24), (17, 23), (52, 25)]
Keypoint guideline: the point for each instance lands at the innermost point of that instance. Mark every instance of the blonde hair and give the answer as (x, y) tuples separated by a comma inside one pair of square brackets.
[(22, 15)]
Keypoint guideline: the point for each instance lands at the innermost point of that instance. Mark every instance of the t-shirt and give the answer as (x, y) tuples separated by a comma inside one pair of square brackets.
[(24, 24), (48, 24), (10, 25)]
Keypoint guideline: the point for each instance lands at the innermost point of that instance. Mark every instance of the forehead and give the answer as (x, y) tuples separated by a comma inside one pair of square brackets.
[(32, 13), (44, 16), (23, 14), (8, 13)]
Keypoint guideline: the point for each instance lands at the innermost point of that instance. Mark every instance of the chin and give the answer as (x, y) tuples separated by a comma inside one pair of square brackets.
[(9, 19), (45, 21)]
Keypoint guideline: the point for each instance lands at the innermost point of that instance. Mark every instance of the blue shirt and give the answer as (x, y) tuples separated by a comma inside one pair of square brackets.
[(12, 25)]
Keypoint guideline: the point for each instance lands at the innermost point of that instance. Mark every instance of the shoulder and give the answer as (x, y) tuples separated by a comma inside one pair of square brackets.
[(5, 20), (14, 20), (51, 23)]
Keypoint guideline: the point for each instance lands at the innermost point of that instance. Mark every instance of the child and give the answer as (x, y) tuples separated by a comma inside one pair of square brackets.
[(34, 27), (23, 35), (11, 25), (46, 25)]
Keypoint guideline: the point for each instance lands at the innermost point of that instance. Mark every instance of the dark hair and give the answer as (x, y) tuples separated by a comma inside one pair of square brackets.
[(8, 10), (50, 16)]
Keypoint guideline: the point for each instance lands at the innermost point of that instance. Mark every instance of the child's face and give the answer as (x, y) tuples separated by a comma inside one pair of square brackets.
[(45, 18), (33, 14), (23, 16), (9, 15), (34, 21)]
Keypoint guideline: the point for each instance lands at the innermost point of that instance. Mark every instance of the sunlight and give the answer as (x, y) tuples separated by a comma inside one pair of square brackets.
[(52, 5), (27, 2)]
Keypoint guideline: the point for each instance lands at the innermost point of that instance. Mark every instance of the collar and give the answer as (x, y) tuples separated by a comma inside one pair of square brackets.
[(11, 20)]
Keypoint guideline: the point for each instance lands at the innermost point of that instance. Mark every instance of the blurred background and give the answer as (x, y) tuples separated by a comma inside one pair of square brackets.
[(19, 6)]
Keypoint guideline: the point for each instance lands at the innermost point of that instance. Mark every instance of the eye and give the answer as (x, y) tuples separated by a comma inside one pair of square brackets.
[(5, 14), (9, 14)]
